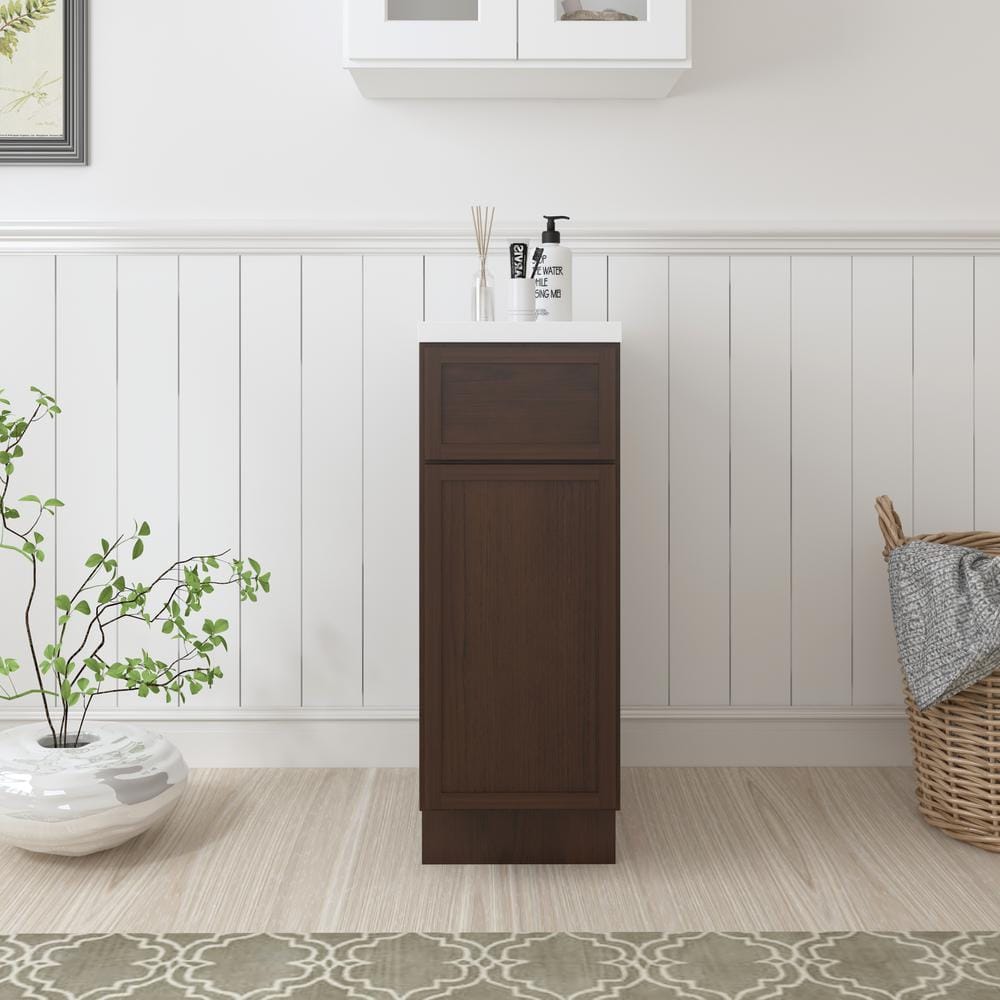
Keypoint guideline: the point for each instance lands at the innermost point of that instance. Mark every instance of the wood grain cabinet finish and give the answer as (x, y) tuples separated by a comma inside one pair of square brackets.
[(519, 603)]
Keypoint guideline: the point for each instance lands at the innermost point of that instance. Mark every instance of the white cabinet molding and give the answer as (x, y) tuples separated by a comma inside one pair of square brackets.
[(516, 49)]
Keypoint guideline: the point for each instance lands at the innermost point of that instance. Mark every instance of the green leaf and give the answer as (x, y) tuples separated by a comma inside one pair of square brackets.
[(94, 560), (221, 625), (83, 607), (30, 498), (137, 548), (53, 502), (62, 602), (49, 651), (106, 594), (254, 565), (144, 529)]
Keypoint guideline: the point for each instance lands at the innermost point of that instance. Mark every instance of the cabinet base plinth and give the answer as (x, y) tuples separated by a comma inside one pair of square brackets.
[(519, 837)]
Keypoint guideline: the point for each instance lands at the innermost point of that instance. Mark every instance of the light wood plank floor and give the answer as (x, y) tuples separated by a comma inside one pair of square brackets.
[(699, 849)]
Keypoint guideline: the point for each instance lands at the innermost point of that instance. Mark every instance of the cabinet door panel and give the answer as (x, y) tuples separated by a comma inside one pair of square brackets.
[(661, 32), (519, 664), (431, 29)]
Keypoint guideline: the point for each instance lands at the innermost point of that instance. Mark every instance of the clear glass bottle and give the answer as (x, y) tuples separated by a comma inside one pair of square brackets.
[(483, 297)]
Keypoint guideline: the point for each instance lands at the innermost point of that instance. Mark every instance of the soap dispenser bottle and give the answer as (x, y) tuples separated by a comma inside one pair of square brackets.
[(554, 276)]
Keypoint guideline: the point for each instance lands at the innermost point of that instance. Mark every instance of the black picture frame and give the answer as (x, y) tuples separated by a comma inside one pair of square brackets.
[(71, 146)]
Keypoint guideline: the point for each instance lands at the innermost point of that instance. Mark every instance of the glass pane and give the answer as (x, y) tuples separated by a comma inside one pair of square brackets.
[(571, 9), (431, 10)]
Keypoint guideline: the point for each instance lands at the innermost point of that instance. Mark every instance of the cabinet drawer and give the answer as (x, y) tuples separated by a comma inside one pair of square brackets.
[(519, 402)]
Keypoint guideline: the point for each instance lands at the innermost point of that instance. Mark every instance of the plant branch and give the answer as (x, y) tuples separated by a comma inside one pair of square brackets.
[(31, 642)]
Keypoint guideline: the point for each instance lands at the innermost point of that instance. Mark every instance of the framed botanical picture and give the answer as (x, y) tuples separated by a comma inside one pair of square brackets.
[(43, 81)]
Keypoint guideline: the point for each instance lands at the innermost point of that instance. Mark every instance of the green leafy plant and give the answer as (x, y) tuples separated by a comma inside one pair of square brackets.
[(73, 669), (19, 17)]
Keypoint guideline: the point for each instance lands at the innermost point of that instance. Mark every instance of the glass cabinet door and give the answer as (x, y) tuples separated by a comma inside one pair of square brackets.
[(657, 29), (432, 29)]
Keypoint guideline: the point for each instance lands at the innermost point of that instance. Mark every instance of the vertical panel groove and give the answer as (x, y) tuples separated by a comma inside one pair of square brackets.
[(55, 428), (239, 452), (790, 496), (669, 481), (302, 659), (364, 508), (853, 493), (177, 431)]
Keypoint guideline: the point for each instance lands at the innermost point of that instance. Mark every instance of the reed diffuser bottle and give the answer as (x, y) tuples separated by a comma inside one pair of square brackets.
[(483, 289)]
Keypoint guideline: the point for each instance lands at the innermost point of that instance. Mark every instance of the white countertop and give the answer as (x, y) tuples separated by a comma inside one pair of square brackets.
[(521, 333)]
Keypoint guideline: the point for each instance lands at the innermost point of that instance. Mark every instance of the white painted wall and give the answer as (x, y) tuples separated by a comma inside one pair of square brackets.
[(810, 110), (766, 398)]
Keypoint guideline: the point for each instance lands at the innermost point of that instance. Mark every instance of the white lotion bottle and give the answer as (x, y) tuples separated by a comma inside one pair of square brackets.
[(554, 276)]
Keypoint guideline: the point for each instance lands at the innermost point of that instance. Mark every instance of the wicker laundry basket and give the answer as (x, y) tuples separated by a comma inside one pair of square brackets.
[(956, 744)]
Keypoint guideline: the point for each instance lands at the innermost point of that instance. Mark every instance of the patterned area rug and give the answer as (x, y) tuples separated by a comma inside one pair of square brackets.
[(503, 966)]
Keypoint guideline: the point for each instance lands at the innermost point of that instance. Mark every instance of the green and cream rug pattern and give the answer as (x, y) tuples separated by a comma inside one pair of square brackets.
[(700, 966)]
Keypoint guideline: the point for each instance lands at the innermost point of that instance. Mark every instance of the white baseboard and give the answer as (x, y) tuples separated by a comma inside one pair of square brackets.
[(651, 737)]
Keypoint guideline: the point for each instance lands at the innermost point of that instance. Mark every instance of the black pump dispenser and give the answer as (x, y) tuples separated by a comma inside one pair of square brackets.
[(551, 234)]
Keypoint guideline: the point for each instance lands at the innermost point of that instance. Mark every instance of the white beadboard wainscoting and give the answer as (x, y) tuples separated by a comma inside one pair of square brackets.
[(259, 392)]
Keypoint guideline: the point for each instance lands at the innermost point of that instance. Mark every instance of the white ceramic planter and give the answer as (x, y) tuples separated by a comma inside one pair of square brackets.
[(73, 802)]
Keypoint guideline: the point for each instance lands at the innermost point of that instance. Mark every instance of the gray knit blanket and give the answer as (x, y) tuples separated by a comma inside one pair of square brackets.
[(946, 610)]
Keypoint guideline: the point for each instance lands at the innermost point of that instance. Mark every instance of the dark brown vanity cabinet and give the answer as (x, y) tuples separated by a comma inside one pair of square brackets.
[(519, 701)]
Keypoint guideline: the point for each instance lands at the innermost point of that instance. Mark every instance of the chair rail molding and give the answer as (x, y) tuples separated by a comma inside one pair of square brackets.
[(687, 237)]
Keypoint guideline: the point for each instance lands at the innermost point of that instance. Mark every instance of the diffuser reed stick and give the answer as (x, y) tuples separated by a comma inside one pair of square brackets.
[(482, 221), (482, 297)]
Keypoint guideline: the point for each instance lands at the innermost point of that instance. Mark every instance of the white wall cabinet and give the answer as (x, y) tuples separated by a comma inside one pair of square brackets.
[(514, 48)]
